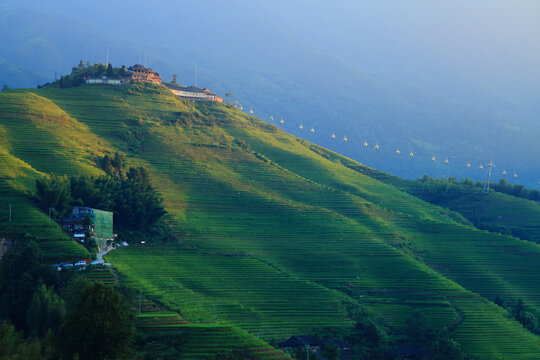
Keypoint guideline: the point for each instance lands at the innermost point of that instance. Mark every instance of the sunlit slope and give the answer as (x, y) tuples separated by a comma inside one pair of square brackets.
[(501, 212), (250, 199), (496, 211), (37, 138)]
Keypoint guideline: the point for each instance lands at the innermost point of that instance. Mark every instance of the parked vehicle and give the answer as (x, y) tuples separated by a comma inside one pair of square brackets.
[(80, 263)]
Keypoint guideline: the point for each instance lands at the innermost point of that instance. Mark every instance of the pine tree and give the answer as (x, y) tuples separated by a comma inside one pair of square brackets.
[(110, 70)]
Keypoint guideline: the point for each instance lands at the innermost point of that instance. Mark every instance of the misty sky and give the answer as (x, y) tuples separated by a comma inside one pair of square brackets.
[(477, 43), (455, 77)]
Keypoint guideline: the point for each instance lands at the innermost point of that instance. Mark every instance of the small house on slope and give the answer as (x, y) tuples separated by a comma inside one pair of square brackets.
[(85, 221), (193, 93), (317, 346)]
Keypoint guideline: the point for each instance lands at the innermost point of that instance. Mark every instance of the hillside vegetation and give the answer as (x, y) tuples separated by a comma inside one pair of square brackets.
[(280, 235)]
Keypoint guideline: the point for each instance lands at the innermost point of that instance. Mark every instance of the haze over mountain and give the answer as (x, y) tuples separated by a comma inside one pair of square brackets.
[(456, 80)]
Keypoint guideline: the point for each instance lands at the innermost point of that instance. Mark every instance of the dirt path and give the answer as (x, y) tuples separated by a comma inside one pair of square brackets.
[(103, 252)]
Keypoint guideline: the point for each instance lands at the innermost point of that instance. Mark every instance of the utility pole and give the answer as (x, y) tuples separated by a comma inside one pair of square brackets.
[(214, 306), (485, 189), (140, 304), (307, 351)]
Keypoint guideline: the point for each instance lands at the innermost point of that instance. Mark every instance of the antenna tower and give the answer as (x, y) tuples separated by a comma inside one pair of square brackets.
[(485, 189)]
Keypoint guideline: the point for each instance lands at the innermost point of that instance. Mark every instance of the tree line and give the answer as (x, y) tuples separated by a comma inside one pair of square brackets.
[(94, 70), (438, 191), (135, 204)]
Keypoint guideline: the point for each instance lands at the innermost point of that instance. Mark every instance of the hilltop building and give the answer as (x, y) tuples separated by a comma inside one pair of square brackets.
[(140, 73), (100, 227), (117, 81), (193, 93)]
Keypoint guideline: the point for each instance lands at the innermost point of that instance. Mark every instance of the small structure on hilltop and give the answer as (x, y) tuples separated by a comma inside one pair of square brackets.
[(193, 93), (86, 222), (117, 81), (140, 73)]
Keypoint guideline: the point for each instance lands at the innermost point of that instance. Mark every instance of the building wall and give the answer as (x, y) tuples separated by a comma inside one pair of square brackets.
[(104, 81), (103, 227), (194, 95), (146, 76)]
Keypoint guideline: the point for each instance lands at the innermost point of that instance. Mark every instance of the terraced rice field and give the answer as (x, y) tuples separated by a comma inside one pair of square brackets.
[(26, 217), (200, 342), (277, 235), (103, 275), (205, 342), (244, 291)]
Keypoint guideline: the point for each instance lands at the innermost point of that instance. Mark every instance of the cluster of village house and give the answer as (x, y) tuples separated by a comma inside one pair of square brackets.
[(142, 74), (84, 221)]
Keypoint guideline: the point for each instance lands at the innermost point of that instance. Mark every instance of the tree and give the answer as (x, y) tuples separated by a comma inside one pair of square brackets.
[(331, 351), (367, 333), (174, 78), (45, 312), (499, 301), (6, 87), (106, 164), (417, 328), (101, 69), (54, 192), (110, 70), (21, 271), (529, 321), (13, 345), (99, 326), (301, 353), (123, 70), (446, 349), (118, 161), (228, 95), (519, 310)]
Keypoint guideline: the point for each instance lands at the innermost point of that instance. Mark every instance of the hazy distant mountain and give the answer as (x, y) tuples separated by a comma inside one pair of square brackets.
[(381, 74)]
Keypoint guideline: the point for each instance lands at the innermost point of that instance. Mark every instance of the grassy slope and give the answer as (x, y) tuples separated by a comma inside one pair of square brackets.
[(488, 211), (265, 211)]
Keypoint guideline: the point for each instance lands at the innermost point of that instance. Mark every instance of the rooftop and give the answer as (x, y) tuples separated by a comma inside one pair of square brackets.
[(192, 89)]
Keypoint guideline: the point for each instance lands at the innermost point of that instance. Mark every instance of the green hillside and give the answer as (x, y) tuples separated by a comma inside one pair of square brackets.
[(281, 235)]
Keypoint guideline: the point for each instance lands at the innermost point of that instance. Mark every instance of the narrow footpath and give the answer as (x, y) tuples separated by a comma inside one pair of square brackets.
[(103, 252)]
